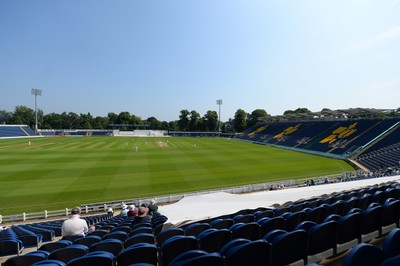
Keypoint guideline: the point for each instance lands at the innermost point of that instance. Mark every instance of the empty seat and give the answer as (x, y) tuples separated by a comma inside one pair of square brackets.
[(289, 247), (111, 245), (69, 253), (198, 258), (255, 253), (322, 240), (196, 228), (391, 244), (212, 240), (168, 233), (27, 259), (138, 253), (139, 238), (102, 258), (269, 224), (249, 230), (364, 254), (87, 241), (175, 246), (55, 245)]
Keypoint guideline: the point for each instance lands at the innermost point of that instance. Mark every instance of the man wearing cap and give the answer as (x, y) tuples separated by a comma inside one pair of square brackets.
[(74, 225)]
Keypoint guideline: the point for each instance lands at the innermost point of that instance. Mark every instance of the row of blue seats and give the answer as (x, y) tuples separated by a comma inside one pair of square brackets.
[(276, 248), (15, 131), (14, 239)]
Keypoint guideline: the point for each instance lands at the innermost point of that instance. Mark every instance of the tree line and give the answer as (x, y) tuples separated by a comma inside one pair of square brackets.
[(190, 121)]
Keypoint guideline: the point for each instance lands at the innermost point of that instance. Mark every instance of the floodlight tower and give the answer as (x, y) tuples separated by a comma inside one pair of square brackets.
[(36, 92), (219, 102)]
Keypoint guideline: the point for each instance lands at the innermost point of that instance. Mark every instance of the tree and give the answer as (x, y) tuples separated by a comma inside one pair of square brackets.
[(135, 120), (194, 119), (239, 121), (85, 121), (24, 115), (100, 122), (154, 123), (52, 121), (255, 116), (164, 125), (123, 118), (183, 121), (5, 117), (297, 111), (70, 120), (173, 126), (211, 121), (112, 118)]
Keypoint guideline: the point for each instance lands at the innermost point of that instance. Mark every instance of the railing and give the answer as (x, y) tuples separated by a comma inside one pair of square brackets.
[(168, 199)]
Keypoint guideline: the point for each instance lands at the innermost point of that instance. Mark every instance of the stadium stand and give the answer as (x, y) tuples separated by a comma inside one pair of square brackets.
[(244, 234), (13, 131), (371, 143)]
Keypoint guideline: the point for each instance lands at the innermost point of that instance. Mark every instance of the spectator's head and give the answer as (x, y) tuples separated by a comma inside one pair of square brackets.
[(153, 201), (142, 211), (132, 207), (124, 206), (76, 210)]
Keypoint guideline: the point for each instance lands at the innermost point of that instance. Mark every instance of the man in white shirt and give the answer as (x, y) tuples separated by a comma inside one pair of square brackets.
[(74, 225)]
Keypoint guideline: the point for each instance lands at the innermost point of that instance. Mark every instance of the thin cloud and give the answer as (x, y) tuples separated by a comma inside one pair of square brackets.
[(389, 34)]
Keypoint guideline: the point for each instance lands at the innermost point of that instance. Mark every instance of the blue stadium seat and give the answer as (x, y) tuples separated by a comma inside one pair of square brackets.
[(289, 248), (27, 259), (322, 240), (255, 253), (212, 240), (269, 224), (50, 263), (111, 245), (68, 253), (222, 223), (233, 243), (87, 241), (364, 254), (120, 235), (139, 238), (391, 244), (196, 228), (175, 246), (138, 253), (141, 230), (168, 233), (393, 261), (102, 258), (249, 230), (198, 258)]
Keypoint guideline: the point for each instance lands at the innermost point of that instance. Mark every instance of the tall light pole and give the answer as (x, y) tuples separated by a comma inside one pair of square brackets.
[(36, 92), (219, 102)]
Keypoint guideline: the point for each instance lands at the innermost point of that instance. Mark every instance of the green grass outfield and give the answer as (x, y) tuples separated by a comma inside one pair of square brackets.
[(61, 172)]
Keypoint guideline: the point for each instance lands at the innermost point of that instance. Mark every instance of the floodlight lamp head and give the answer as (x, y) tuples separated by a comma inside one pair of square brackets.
[(219, 102), (36, 92)]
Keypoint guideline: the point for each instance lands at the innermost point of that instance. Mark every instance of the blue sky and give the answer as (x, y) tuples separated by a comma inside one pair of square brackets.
[(155, 58)]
